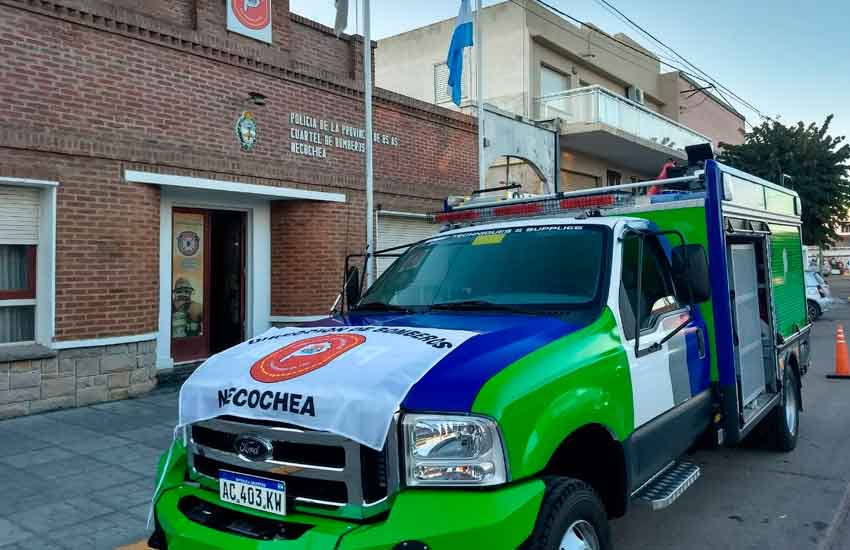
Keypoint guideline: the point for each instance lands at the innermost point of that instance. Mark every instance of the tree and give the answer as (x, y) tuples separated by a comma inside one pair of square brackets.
[(816, 162)]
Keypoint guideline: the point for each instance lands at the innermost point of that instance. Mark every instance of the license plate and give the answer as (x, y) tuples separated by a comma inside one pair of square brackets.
[(268, 495)]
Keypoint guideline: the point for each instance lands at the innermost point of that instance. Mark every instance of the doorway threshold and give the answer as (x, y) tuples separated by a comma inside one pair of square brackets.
[(176, 375)]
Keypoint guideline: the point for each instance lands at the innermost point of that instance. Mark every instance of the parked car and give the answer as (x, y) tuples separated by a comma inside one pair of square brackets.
[(818, 295)]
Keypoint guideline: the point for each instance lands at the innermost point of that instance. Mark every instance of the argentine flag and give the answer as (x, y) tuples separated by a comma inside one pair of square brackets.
[(461, 38)]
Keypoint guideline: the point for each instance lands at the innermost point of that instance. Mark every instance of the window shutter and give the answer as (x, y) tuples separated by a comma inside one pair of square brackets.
[(398, 231), (441, 84), (441, 80), (19, 213)]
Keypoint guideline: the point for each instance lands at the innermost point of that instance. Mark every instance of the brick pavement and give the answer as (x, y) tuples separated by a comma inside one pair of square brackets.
[(82, 478)]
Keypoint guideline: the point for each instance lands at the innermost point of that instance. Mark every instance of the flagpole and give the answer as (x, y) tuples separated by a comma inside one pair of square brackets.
[(479, 86), (367, 89)]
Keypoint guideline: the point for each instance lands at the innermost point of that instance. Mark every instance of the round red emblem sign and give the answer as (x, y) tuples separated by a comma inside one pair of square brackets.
[(254, 14), (303, 356)]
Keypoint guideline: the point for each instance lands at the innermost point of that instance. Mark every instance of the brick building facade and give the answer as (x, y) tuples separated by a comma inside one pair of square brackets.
[(125, 179)]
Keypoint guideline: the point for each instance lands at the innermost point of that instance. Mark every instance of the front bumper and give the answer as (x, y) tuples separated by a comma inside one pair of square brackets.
[(442, 519)]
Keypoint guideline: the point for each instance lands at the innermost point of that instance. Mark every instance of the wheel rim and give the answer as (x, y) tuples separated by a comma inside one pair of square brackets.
[(580, 536), (790, 405), (812, 313)]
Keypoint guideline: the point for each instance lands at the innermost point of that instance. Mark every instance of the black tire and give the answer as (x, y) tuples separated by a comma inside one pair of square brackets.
[(568, 502), (813, 311), (782, 433)]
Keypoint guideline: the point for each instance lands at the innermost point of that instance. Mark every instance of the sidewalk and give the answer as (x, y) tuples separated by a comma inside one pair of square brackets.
[(82, 478)]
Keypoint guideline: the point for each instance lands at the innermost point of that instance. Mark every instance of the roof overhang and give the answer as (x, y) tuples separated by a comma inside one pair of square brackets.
[(269, 192), (618, 147)]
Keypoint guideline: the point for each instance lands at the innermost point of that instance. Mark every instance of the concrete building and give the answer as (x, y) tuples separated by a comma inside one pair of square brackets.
[(620, 118), (169, 187)]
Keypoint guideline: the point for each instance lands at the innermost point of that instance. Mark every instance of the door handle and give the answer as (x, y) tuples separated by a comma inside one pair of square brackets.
[(701, 342)]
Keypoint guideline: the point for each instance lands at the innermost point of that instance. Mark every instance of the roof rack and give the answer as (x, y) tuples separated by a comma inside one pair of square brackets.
[(508, 203)]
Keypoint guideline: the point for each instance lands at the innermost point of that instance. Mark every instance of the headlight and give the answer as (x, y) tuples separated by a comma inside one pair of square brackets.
[(453, 450)]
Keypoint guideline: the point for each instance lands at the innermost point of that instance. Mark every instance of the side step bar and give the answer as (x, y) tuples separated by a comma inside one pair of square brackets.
[(662, 490)]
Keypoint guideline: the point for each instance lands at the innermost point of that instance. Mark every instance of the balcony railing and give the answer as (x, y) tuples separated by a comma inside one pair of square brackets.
[(596, 105)]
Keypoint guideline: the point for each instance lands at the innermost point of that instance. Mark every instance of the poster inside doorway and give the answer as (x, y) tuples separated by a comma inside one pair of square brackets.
[(187, 293)]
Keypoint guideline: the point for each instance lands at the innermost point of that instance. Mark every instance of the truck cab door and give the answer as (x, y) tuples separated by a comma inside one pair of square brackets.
[(662, 374)]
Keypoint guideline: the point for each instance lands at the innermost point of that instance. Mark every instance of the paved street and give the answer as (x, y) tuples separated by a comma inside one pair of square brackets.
[(752, 498), (81, 478)]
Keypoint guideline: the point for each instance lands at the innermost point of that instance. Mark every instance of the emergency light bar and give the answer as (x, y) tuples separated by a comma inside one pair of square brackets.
[(478, 209)]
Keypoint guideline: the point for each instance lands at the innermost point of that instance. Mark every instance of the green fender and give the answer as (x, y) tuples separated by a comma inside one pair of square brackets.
[(575, 381)]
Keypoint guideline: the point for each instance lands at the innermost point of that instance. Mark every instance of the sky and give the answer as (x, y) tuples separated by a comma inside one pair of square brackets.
[(787, 58)]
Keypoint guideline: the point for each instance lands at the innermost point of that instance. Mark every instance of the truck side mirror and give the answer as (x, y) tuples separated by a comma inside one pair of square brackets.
[(352, 286), (690, 274)]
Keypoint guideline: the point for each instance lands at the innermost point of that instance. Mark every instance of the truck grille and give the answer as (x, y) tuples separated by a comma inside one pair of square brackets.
[(321, 470)]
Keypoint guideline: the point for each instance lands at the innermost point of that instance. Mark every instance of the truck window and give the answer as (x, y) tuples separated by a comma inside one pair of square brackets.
[(657, 285), (538, 266)]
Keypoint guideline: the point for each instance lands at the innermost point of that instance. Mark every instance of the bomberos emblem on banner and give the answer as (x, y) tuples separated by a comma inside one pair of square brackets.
[(252, 18), (347, 380)]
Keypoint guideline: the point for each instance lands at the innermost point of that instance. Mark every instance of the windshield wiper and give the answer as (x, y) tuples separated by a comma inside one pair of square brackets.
[(381, 306), (480, 305)]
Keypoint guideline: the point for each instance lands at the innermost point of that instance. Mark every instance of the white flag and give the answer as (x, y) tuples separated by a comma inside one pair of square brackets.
[(347, 380), (341, 16)]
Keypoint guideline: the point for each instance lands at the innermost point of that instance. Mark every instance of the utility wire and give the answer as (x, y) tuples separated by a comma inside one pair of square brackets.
[(704, 77), (718, 85), (651, 56), (654, 57)]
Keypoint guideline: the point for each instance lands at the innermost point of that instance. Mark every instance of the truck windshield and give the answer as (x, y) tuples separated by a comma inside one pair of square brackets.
[(545, 267)]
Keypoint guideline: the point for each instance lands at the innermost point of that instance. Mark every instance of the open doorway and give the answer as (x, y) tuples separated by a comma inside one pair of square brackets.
[(208, 282), (227, 292)]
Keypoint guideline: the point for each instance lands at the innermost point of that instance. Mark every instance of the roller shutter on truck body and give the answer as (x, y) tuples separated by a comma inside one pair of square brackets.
[(789, 287), (397, 230)]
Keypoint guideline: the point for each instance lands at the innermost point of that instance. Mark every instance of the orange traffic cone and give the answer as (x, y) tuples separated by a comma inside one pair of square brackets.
[(842, 363)]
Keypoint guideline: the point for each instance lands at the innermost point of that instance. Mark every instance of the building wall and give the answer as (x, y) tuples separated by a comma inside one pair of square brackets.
[(702, 111), (595, 58), (405, 63), (181, 13), (106, 247), (76, 377), (517, 42), (578, 171), (93, 89)]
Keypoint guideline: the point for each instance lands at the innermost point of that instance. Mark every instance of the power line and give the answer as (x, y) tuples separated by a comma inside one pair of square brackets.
[(653, 57), (713, 80)]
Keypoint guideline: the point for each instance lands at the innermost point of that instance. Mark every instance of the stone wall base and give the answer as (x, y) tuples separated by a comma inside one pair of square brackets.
[(77, 377)]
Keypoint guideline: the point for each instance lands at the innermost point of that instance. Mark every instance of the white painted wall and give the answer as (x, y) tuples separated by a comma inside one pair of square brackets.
[(405, 63)]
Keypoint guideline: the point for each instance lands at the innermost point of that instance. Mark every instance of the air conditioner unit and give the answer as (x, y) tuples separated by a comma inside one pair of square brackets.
[(635, 94)]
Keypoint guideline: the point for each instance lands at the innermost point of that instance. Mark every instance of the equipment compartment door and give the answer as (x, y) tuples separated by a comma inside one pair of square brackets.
[(748, 348)]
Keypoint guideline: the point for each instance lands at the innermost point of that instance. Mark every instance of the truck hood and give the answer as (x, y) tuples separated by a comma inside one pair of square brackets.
[(453, 383)]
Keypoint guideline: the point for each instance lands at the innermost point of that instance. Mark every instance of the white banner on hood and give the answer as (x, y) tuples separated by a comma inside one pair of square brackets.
[(346, 380)]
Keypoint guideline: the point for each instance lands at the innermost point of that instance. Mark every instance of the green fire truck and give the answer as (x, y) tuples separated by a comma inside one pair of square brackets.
[(613, 330)]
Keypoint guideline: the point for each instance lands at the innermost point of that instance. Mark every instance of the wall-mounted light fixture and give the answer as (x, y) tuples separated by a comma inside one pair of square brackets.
[(256, 98)]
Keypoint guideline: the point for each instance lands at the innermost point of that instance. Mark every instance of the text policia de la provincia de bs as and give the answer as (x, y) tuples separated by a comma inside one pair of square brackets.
[(297, 403), (312, 137)]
